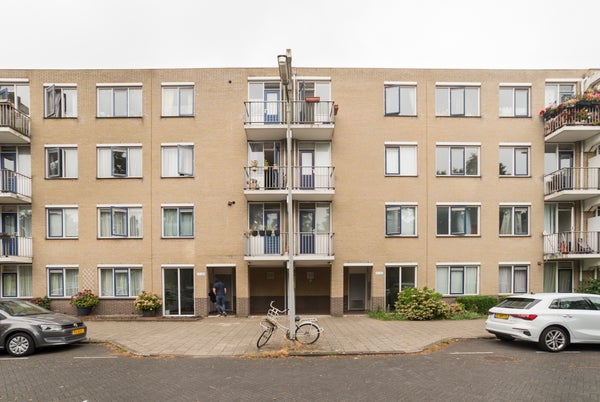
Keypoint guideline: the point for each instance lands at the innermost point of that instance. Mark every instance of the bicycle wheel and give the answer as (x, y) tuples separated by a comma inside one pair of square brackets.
[(307, 333), (264, 337)]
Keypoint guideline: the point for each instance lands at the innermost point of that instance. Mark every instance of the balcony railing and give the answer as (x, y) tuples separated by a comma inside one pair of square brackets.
[(15, 246), (303, 178), (580, 115), (266, 243), (15, 183), (13, 118), (572, 179), (572, 243), (303, 112)]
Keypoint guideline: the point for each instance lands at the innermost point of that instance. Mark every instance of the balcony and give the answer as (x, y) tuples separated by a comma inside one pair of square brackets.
[(572, 124), (15, 188), (309, 183), (581, 245), (14, 124), (311, 120), (572, 184), (15, 249), (271, 246)]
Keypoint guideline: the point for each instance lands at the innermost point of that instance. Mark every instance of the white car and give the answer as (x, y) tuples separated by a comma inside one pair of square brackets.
[(552, 320)]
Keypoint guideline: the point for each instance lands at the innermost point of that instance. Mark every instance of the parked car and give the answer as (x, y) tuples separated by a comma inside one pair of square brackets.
[(553, 320), (25, 326)]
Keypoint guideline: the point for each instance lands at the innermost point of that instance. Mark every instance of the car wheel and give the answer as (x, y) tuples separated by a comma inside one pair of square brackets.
[(554, 339), (19, 345)]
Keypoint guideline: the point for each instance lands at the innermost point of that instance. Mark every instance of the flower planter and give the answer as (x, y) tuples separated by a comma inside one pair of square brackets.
[(149, 313), (81, 311), (312, 99)]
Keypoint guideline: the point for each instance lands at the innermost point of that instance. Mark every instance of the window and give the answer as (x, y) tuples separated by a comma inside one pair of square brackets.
[(119, 161), (514, 160), (16, 281), (459, 100), (400, 220), (17, 93), (514, 220), (457, 279), (62, 222), (458, 220), (61, 162), (513, 279), (514, 101), (178, 221), (558, 93), (60, 101), (63, 282), (120, 221), (401, 159), (400, 99), (178, 100), (120, 101), (398, 278), (177, 160), (120, 281), (457, 160)]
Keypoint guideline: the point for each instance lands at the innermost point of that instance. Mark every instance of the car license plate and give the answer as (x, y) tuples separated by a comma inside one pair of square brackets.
[(79, 331), (501, 316)]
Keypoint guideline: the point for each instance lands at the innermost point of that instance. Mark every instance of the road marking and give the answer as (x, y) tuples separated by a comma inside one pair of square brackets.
[(472, 353), (14, 358), (96, 357)]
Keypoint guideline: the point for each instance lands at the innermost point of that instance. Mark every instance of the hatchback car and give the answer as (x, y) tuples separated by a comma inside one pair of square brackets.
[(25, 326), (552, 320)]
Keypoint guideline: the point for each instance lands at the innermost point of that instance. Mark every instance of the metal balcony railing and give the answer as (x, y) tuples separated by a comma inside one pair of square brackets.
[(13, 118), (572, 179), (572, 243), (265, 177), (15, 183), (269, 243), (303, 178), (313, 178), (303, 112), (582, 114), (16, 246)]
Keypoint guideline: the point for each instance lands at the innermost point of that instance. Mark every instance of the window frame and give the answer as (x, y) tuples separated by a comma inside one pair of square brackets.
[(452, 99), (411, 91), (514, 267), (515, 89), (126, 210), (118, 271), (400, 207), (61, 160), (182, 150), (453, 268), (515, 149), (180, 209), (16, 272), (456, 208), (61, 209), (450, 155), (63, 273), (513, 221), (116, 92), (398, 147), (66, 91), (179, 87), (560, 96), (130, 166)]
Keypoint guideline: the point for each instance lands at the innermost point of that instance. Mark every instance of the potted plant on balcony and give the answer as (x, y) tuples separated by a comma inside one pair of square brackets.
[(84, 301), (148, 303), (266, 165)]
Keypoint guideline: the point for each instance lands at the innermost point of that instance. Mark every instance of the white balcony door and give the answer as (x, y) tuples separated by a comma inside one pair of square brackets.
[(322, 111)]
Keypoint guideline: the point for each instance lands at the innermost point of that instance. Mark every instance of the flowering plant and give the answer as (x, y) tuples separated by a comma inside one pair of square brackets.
[(85, 298), (43, 302), (147, 301), (586, 99)]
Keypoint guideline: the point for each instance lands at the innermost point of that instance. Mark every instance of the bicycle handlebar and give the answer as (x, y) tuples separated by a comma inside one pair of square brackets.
[(280, 311)]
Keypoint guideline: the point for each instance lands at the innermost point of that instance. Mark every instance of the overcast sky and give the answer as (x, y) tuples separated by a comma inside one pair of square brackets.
[(321, 33)]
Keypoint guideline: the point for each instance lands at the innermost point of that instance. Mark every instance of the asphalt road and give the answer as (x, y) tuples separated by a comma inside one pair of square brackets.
[(472, 370)]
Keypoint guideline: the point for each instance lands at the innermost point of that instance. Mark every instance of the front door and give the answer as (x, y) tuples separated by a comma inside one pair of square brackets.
[(357, 284), (178, 291), (9, 230), (565, 280), (272, 234), (307, 231), (307, 169), (272, 106), (8, 165)]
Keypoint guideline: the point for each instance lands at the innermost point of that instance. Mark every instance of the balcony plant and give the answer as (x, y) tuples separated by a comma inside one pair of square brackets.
[(84, 301), (589, 98), (148, 303)]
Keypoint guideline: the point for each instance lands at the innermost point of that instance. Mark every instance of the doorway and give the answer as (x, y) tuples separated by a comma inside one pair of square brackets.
[(178, 293), (9, 166), (227, 276), (9, 228)]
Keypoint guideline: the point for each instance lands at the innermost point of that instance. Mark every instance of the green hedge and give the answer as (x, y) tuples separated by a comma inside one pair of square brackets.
[(477, 304)]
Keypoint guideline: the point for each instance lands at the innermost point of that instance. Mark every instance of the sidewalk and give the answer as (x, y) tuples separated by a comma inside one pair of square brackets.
[(232, 336)]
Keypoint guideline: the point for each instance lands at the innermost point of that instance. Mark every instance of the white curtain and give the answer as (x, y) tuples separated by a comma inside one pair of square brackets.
[(55, 223), (550, 277), (119, 222), (471, 280), (136, 282), (457, 280), (170, 222), (408, 98), (25, 281), (135, 102), (441, 280), (408, 161), (505, 221), (135, 222), (104, 162), (186, 223), (70, 162), (106, 282), (504, 280), (520, 280), (392, 100), (392, 165), (121, 282), (56, 283), (135, 162), (408, 221), (71, 281), (169, 162), (105, 223), (186, 160), (186, 101), (169, 101), (393, 220)]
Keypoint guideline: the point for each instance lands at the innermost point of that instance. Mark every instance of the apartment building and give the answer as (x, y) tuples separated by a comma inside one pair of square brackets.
[(358, 182)]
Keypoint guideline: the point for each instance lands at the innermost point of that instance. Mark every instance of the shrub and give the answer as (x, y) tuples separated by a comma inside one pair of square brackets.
[(43, 302), (477, 304), (421, 305), (590, 286), (85, 298), (147, 301)]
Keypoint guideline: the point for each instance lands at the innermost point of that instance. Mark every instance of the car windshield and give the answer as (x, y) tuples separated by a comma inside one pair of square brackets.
[(518, 302), (17, 308)]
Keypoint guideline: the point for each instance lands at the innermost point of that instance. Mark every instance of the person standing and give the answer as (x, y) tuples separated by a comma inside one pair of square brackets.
[(220, 290)]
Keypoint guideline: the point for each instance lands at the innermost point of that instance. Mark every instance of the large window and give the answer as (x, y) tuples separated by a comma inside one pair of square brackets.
[(60, 101), (178, 160), (400, 99), (401, 159), (63, 222), (178, 221), (456, 100), (514, 101), (514, 160), (458, 220), (120, 221), (61, 162), (513, 279), (558, 93), (120, 281), (178, 99), (457, 160), (17, 93), (119, 101), (457, 279), (119, 161), (514, 220), (63, 281), (398, 278), (400, 220), (16, 281)]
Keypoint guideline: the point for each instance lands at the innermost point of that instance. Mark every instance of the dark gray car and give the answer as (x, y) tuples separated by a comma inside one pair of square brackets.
[(25, 326)]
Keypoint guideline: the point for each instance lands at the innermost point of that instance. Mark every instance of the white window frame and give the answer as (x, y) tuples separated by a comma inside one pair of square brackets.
[(451, 99), (23, 287), (185, 160), (446, 282), (119, 270), (448, 150), (66, 94), (66, 291), (398, 97), (514, 148), (66, 160), (129, 212), (133, 164), (555, 91), (512, 268), (64, 220), (400, 207), (399, 158), (513, 208), (180, 88), (180, 209), (512, 109), (132, 92), (457, 207)]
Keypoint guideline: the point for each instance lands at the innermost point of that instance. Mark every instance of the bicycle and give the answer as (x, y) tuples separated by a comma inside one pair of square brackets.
[(307, 329)]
